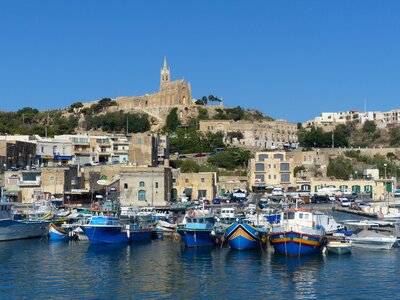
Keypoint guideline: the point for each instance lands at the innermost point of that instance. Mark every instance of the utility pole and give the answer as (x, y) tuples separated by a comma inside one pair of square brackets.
[(333, 133)]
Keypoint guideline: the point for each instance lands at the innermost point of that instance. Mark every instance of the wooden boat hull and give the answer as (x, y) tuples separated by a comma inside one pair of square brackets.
[(292, 243), (115, 234), (242, 236), (15, 230), (57, 234), (196, 238)]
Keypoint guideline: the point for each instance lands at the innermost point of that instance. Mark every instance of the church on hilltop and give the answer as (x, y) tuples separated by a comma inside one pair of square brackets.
[(172, 93)]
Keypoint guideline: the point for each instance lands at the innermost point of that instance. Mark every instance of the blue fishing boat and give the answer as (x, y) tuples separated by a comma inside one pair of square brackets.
[(109, 230), (242, 236), (197, 229), (58, 234), (297, 234)]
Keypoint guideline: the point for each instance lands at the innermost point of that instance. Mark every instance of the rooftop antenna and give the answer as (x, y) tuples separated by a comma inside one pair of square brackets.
[(365, 104)]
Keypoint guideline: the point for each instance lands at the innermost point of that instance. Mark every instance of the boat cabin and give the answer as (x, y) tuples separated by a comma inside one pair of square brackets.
[(5, 210), (199, 222), (298, 218)]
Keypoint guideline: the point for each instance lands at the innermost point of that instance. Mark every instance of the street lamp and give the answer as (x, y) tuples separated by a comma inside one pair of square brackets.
[(385, 165)]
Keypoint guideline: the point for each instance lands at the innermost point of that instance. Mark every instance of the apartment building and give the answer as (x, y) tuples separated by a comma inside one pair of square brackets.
[(261, 135), (269, 169)]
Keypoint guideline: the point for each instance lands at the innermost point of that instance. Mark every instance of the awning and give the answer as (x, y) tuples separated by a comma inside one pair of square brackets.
[(11, 192)]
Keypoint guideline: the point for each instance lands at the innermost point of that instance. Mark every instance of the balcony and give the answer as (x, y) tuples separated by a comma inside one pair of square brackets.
[(82, 151)]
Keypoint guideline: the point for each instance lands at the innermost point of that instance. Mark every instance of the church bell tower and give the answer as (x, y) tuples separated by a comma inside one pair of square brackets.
[(164, 75)]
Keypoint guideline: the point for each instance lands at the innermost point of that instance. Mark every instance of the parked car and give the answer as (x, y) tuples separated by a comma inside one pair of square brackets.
[(363, 204), (182, 156), (199, 155), (397, 193), (320, 199), (344, 202), (216, 201)]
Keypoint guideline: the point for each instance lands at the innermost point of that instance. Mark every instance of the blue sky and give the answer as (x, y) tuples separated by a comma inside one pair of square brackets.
[(289, 59)]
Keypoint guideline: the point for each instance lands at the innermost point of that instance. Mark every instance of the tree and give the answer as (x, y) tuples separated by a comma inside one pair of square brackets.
[(369, 127), (394, 134), (189, 166), (172, 121), (340, 168), (203, 114), (230, 158), (76, 105)]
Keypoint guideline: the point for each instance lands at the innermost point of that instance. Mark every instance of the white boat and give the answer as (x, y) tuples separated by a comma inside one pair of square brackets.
[(372, 240), (14, 228), (328, 223), (165, 226), (339, 247)]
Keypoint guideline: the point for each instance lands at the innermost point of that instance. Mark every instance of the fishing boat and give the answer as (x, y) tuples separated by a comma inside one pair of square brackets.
[(18, 226), (58, 234), (110, 230), (197, 228), (339, 247), (297, 234), (242, 236)]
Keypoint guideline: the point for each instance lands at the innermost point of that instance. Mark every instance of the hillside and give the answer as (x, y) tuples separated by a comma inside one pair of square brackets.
[(106, 115)]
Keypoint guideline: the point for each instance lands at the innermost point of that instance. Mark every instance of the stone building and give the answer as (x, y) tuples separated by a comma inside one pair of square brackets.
[(378, 189), (16, 153), (202, 185), (145, 186), (44, 183), (260, 135), (269, 169), (172, 93), (227, 184), (53, 152)]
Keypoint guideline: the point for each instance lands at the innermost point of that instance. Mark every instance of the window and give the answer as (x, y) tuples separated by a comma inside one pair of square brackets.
[(142, 195), (285, 177), (262, 157), (285, 167), (300, 215), (186, 180), (141, 184), (260, 178), (125, 186), (278, 156), (139, 140), (202, 180), (156, 185), (260, 168)]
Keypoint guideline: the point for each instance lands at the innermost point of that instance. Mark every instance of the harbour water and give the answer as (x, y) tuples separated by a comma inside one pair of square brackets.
[(163, 270)]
